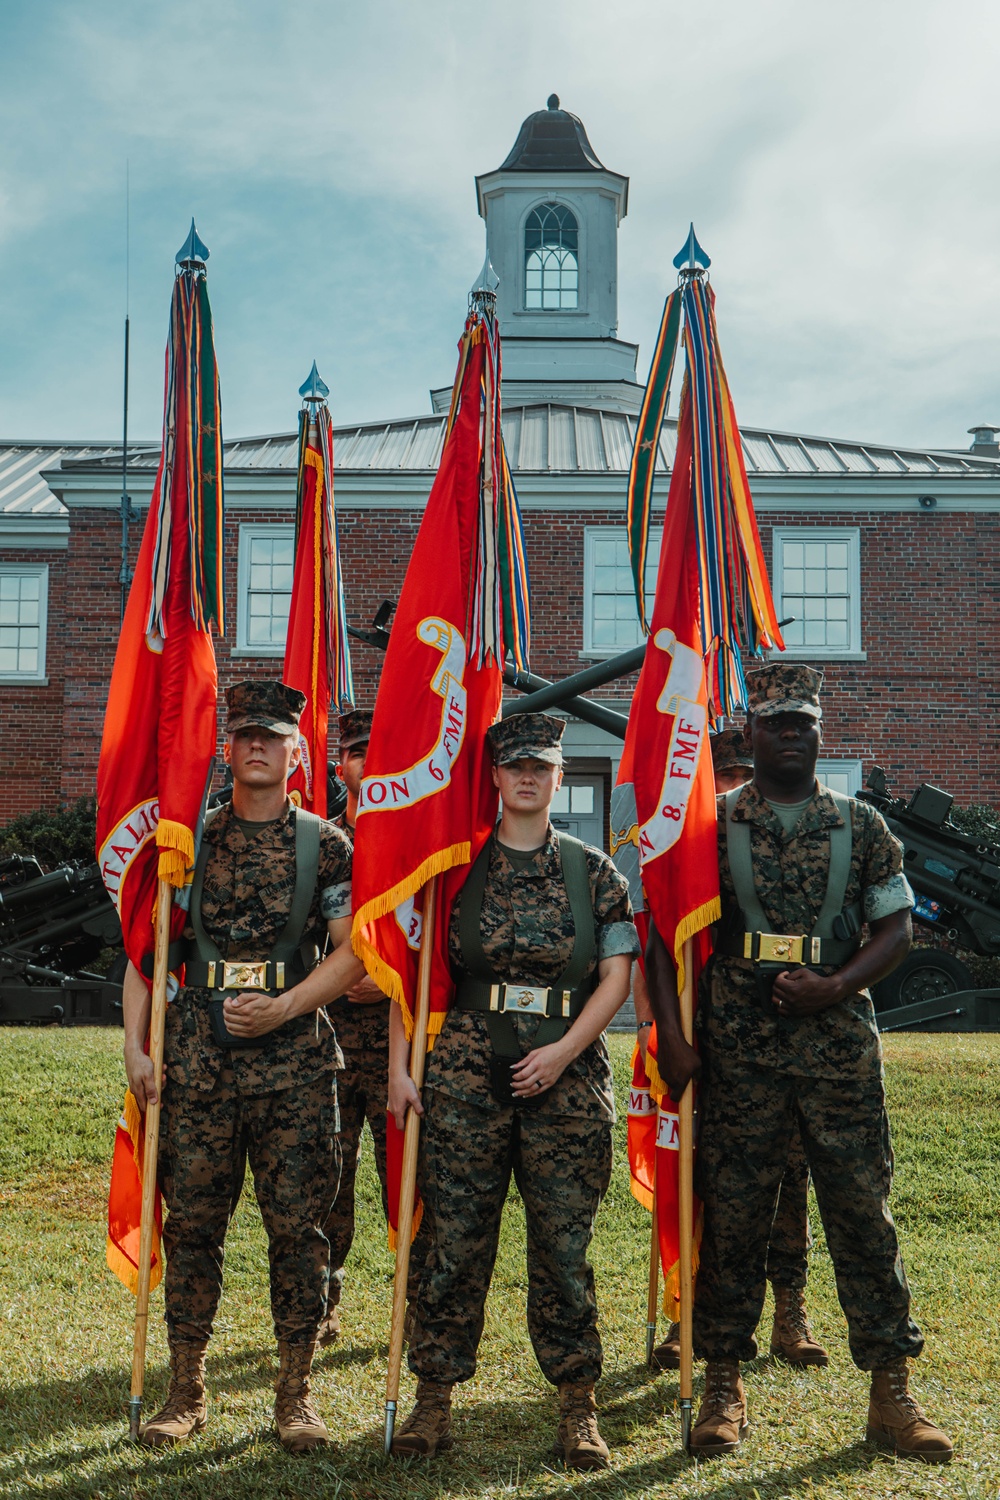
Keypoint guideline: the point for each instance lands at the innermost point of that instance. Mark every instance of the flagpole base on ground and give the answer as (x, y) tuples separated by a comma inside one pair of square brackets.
[(686, 1423), (650, 1342), (390, 1425), (134, 1412)]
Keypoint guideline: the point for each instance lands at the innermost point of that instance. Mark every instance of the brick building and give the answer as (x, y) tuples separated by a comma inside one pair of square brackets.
[(887, 558)]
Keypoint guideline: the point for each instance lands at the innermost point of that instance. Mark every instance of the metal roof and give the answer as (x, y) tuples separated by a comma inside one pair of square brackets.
[(558, 439), (552, 140), (541, 439), (23, 491)]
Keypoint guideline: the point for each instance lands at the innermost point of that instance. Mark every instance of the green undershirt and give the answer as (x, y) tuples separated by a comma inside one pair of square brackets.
[(788, 813), (250, 829), (521, 859)]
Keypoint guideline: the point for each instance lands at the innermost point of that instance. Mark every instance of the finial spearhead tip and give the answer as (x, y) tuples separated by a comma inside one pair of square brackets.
[(313, 388), (692, 257), (487, 281), (193, 249)]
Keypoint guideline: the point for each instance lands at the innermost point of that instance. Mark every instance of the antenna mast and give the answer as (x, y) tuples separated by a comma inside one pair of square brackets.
[(124, 572)]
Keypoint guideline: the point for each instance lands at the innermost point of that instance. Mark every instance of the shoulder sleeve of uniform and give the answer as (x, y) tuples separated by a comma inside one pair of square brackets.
[(884, 887), (612, 907), (335, 857)]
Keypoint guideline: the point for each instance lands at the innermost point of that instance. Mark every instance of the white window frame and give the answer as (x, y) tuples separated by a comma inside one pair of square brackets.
[(248, 531), (592, 534), (852, 536), (843, 766), (40, 571)]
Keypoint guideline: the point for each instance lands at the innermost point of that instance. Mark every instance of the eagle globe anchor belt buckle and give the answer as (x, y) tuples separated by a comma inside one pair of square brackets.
[(528, 1000), (245, 976), (780, 948)]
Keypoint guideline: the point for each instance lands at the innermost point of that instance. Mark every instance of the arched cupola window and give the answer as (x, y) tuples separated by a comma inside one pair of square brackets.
[(551, 264)]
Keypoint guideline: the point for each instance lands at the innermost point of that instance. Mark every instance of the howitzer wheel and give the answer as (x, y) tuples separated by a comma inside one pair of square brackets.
[(924, 974)]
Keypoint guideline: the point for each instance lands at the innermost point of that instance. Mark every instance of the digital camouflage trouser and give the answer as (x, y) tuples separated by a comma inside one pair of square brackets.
[(290, 1141), (562, 1167), (747, 1113), (790, 1239), (362, 1086)]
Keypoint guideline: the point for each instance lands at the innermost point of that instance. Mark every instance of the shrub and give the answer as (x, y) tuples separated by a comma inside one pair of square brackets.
[(53, 835)]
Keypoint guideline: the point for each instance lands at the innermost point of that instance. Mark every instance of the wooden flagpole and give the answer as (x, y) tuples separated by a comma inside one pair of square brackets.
[(411, 1141), (652, 1301), (164, 900), (685, 1202)]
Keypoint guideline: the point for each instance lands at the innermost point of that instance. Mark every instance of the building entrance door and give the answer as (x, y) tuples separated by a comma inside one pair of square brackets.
[(578, 809)]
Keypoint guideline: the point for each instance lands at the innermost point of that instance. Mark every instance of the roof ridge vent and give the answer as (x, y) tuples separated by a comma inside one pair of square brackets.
[(984, 438)]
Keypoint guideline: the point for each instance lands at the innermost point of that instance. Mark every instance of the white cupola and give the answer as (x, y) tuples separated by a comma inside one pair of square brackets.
[(552, 211)]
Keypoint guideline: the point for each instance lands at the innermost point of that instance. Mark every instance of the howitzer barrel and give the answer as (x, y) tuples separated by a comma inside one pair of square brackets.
[(43, 887)]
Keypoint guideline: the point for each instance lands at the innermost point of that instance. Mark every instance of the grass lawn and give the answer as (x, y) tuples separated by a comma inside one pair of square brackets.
[(65, 1325)]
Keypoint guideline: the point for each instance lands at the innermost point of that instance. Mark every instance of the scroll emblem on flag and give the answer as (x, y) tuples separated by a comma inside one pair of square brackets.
[(397, 789), (679, 698), (129, 836)]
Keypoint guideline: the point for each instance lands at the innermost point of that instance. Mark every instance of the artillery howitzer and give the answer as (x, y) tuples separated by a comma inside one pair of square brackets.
[(51, 927), (956, 882)]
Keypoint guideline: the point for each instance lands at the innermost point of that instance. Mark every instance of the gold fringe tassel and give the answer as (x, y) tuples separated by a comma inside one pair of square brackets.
[(176, 845), (418, 1214), (672, 1281), (687, 927), (388, 980)]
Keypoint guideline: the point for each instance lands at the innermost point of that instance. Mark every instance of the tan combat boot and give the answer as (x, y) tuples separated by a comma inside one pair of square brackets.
[(791, 1337), (184, 1412), (427, 1430), (667, 1356), (896, 1421), (722, 1421), (579, 1442), (329, 1329), (300, 1427)]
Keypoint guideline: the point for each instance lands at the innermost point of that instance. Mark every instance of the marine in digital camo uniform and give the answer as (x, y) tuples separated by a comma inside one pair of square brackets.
[(790, 1239), (788, 1035), (361, 1018), (521, 1090), (251, 1074)]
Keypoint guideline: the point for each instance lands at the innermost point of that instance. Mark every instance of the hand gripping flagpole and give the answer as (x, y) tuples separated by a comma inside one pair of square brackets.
[(411, 1141), (685, 1202), (164, 898), (653, 1298)]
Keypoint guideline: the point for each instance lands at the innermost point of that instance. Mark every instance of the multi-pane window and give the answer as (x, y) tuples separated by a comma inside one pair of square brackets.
[(551, 258), (817, 583), (23, 608), (267, 556), (611, 621)]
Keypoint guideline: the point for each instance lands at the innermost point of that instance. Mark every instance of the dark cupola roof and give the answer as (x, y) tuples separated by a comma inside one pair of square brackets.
[(552, 140)]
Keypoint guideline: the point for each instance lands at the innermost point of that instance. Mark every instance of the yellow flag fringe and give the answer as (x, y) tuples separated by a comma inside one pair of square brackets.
[(176, 845), (418, 1214)]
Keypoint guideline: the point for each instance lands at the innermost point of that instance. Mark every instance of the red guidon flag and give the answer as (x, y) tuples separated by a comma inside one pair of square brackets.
[(317, 659), (668, 761), (713, 599), (427, 802), (159, 739)]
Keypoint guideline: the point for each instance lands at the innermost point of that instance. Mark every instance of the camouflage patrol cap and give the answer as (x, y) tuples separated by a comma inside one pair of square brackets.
[(269, 705), (522, 735), (355, 728), (784, 687), (730, 750)]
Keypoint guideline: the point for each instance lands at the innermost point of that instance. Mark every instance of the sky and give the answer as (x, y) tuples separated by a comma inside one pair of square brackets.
[(839, 161)]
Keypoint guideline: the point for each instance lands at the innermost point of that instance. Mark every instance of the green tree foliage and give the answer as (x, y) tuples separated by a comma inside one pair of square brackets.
[(53, 835)]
